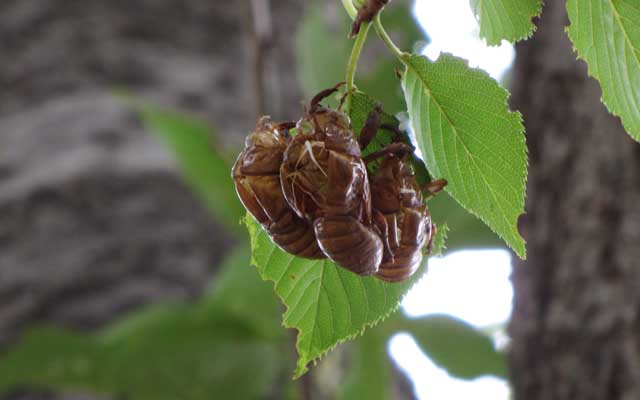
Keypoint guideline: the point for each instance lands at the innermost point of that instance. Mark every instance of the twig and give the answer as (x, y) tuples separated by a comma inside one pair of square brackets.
[(262, 40)]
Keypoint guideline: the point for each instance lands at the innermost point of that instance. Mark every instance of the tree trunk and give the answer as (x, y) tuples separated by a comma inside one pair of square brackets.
[(95, 220), (575, 324)]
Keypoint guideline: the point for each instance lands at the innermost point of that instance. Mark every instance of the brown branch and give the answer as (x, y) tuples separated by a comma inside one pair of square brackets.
[(262, 36), (366, 14)]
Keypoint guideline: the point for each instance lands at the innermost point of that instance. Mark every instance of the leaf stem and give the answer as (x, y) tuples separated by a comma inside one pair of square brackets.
[(350, 8), (387, 39), (352, 64)]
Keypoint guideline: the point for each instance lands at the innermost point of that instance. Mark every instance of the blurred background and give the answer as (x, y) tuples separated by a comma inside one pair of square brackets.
[(124, 271)]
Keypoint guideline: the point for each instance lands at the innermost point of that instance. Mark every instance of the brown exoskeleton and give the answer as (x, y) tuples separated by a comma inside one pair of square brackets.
[(256, 174), (366, 14), (325, 181), (397, 195)]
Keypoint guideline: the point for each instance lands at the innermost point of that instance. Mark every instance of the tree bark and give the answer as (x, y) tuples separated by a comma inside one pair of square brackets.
[(575, 324), (95, 220)]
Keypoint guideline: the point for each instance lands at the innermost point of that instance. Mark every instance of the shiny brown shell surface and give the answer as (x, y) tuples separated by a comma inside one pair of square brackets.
[(256, 174), (396, 194), (325, 182)]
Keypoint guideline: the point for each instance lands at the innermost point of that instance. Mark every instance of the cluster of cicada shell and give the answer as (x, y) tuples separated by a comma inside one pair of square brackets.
[(313, 195)]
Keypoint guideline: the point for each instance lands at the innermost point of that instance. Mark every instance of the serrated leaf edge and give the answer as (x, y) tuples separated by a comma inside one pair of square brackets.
[(532, 29), (506, 94), (302, 369), (579, 57)]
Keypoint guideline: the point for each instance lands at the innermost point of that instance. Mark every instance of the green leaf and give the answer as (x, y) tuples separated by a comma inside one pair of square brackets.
[(201, 162), (456, 346), (606, 34), (466, 231), (213, 349), (240, 291), (468, 136), (166, 355), (191, 369), (369, 375), (361, 106), (327, 304), (321, 66), (380, 79), (505, 19)]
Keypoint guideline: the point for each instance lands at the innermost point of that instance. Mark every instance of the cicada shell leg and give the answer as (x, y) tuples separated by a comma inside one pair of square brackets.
[(380, 223), (408, 256), (315, 102), (247, 197), (397, 148), (295, 236), (349, 244), (263, 197), (433, 187), (371, 126)]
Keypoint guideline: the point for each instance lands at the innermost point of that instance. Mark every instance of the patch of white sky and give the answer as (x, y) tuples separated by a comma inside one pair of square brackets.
[(453, 29), (470, 285)]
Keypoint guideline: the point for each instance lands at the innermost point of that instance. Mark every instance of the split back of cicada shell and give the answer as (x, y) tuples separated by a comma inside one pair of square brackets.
[(325, 181)]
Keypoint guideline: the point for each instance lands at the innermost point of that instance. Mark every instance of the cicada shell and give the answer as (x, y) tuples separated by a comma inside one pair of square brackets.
[(325, 182), (397, 196), (256, 174)]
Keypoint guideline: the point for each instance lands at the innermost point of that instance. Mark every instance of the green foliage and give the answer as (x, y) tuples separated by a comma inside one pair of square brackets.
[(468, 136), (361, 106), (327, 304), (240, 291), (456, 346), (229, 345), (505, 19), (465, 230), (606, 34), (322, 51), (202, 165), (321, 65), (210, 350), (370, 376), (453, 345)]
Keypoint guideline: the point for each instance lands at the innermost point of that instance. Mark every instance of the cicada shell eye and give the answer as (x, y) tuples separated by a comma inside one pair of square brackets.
[(258, 160), (268, 135)]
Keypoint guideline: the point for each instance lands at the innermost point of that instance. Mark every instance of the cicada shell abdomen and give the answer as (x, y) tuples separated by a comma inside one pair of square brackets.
[(397, 195), (349, 243), (325, 181), (345, 233), (256, 174)]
